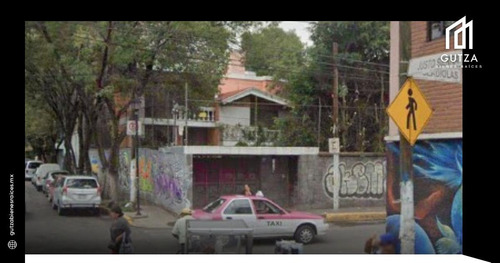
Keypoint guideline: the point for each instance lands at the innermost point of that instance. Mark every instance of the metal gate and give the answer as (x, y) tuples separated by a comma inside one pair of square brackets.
[(216, 176)]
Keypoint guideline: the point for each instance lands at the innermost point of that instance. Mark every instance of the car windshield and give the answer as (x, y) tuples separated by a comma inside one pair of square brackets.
[(34, 165), (81, 183), (214, 205)]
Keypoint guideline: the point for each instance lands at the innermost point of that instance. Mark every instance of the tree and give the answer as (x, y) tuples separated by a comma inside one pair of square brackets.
[(109, 64), (40, 129), (47, 77), (273, 52), (363, 68)]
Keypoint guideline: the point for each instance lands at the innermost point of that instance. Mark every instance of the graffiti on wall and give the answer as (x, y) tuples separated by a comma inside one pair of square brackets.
[(124, 170), (145, 170), (94, 163), (172, 181), (360, 180), (437, 195), (162, 174)]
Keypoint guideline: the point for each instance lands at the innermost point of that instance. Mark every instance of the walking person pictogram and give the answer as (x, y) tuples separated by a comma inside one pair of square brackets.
[(411, 107)]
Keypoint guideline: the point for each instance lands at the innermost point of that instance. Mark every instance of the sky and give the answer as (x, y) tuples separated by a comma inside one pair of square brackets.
[(300, 28)]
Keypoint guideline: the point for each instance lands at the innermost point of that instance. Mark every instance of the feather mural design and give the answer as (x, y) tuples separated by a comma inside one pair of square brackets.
[(441, 163), (423, 244), (448, 244)]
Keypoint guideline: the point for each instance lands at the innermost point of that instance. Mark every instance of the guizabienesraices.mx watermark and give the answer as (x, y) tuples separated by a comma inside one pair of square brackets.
[(11, 206)]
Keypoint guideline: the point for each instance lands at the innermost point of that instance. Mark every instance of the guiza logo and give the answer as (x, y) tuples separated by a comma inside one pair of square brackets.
[(461, 30)]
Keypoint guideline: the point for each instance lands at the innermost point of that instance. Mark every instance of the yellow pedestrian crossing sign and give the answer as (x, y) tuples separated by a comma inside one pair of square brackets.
[(410, 111)]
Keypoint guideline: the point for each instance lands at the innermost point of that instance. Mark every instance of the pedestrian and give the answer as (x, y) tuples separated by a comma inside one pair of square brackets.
[(372, 245), (179, 230), (246, 190), (387, 243), (118, 230)]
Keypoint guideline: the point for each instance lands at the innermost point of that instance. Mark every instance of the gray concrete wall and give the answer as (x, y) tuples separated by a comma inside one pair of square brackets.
[(362, 182), (274, 182)]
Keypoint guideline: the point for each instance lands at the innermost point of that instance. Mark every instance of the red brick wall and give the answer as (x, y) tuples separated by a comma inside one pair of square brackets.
[(445, 98), (230, 84)]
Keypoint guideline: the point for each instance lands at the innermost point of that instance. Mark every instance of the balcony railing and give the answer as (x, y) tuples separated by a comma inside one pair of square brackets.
[(206, 114), (248, 135)]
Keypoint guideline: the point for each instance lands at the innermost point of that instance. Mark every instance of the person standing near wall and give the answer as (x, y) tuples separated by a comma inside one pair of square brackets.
[(179, 230)]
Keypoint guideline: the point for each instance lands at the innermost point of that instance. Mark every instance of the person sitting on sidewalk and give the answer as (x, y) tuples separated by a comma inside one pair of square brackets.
[(387, 243), (179, 230), (372, 245), (384, 244)]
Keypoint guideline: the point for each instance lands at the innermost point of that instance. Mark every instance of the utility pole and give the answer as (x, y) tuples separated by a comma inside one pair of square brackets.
[(186, 112), (137, 158), (407, 224), (335, 116), (256, 125), (319, 121)]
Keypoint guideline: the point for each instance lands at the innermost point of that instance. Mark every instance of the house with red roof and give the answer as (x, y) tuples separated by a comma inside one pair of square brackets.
[(243, 110)]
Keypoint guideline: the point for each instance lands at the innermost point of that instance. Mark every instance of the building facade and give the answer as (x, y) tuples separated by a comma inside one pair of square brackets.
[(416, 49), (242, 112)]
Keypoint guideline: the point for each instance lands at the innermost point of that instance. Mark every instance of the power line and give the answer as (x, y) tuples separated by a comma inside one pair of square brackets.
[(266, 104)]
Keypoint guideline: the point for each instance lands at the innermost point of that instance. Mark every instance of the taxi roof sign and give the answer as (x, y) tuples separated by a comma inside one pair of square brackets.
[(410, 111)]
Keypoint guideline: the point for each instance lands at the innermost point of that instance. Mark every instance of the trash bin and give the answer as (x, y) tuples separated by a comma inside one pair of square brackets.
[(288, 247), (218, 237)]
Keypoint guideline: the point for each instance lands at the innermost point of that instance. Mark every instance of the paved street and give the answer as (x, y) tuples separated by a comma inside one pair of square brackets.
[(46, 232)]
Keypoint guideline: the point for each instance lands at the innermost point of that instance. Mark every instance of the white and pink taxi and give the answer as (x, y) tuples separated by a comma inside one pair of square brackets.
[(265, 217)]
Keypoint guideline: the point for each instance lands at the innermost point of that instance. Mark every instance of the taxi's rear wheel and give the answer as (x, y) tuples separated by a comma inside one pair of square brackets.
[(304, 234)]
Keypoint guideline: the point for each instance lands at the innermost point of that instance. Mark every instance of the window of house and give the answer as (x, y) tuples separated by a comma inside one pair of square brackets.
[(436, 29)]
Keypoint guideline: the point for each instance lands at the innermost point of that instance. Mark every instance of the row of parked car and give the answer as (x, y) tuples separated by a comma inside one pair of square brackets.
[(65, 191)]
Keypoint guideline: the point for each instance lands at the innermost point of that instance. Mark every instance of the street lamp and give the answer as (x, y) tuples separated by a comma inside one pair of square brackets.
[(136, 107)]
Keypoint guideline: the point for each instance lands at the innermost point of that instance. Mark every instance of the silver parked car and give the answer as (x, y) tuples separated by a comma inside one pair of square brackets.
[(49, 178), (73, 192)]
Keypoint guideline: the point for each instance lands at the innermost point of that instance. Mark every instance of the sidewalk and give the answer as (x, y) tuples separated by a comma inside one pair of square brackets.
[(151, 217), (157, 217), (352, 214)]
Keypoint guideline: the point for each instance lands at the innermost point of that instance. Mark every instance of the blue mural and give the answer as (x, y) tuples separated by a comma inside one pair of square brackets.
[(437, 195)]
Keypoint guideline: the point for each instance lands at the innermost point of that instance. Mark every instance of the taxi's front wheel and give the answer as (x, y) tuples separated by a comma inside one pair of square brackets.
[(304, 234)]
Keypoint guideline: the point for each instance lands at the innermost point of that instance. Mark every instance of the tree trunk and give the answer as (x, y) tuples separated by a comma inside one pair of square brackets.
[(81, 157), (68, 154), (87, 166), (114, 161), (114, 187)]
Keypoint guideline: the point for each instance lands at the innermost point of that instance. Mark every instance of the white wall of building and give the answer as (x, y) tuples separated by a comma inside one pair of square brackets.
[(233, 115)]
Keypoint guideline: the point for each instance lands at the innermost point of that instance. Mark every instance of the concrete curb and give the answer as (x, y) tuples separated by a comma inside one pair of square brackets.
[(355, 216), (105, 211), (129, 219)]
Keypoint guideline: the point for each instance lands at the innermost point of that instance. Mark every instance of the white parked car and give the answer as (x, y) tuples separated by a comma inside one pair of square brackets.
[(41, 172), (76, 192), (30, 169)]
